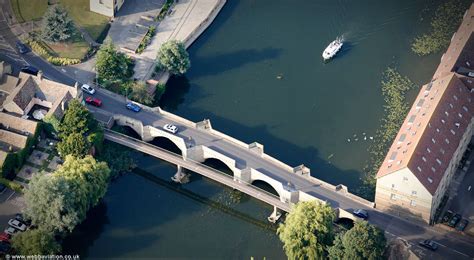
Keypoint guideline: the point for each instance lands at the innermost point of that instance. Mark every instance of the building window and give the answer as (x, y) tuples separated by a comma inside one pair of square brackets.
[(446, 113), (437, 130), (465, 108), (451, 105), (405, 178), (452, 132), (423, 158), (413, 192), (433, 169), (455, 97), (442, 121), (460, 115), (412, 203), (428, 150), (446, 140), (442, 150), (430, 180), (438, 161), (433, 140), (418, 168), (393, 196), (393, 186)]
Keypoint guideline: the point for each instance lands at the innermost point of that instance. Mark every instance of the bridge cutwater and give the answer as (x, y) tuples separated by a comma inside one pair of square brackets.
[(248, 162)]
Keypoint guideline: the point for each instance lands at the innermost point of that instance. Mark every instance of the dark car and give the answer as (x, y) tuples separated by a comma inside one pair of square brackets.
[(22, 48), (454, 220), (5, 247), (133, 107), (2, 188), (430, 244), (462, 225), (30, 70), (361, 213), (22, 219), (94, 101), (447, 216)]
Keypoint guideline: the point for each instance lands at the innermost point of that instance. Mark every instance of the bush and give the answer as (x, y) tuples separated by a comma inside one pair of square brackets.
[(41, 50), (164, 10), (60, 61), (11, 184), (146, 40)]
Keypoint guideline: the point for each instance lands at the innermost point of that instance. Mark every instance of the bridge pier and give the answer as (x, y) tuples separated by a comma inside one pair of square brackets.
[(180, 176), (275, 216)]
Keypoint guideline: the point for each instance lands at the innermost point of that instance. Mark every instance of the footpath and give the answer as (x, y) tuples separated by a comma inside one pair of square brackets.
[(186, 21)]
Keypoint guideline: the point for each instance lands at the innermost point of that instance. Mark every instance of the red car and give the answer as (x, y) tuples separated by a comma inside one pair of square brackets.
[(4, 237), (94, 101)]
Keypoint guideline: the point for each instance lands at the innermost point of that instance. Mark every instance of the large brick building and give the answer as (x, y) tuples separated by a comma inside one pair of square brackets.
[(421, 162)]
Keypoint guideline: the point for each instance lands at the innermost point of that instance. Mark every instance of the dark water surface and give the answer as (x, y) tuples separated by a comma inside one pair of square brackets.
[(257, 74)]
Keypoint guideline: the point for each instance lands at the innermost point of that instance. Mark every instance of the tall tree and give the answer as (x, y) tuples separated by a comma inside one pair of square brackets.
[(173, 57), (74, 144), (112, 65), (363, 241), (77, 119), (51, 204), (35, 242), (307, 230), (57, 25)]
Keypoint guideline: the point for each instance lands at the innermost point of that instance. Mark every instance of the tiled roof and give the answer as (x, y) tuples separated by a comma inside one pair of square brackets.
[(23, 94), (17, 124), (436, 122)]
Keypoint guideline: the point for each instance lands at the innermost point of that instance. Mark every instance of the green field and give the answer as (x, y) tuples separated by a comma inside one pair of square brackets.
[(76, 48), (79, 11), (28, 10)]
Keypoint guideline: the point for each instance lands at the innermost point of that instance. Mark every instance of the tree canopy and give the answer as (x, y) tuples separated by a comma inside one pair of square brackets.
[(173, 57), (363, 241), (112, 65), (35, 242), (57, 26), (307, 230), (139, 93), (74, 144), (77, 119)]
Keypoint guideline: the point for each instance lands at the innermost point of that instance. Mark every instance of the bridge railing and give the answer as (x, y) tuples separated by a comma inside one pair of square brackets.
[(178, 156)]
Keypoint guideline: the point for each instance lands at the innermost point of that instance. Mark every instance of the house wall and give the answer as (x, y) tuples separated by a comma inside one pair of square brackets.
[(401, 193), (104, 7)]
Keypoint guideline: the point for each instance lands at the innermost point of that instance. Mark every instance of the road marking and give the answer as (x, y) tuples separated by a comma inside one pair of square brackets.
[(453, 249), (10, 196)]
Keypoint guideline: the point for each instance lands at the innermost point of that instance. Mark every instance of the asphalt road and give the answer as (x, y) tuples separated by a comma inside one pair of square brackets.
[(452, 245)]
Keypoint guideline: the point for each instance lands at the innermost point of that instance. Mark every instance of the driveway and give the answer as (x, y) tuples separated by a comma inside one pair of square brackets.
[(10, 203)]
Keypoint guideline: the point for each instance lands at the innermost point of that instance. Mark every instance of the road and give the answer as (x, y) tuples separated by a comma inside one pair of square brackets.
[(452, 245)]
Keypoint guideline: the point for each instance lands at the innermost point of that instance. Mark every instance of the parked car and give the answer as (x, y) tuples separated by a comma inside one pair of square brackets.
[(94, 101), (5, 237), (2, 188), (30, 70), (361, 213), (462, 225), (5, 247), (22, 219), (430, 244), (10, 230), (447, 216), (22, 48), (17, 224), (454, 220), (134, 107), (171, 128), (88, 89)]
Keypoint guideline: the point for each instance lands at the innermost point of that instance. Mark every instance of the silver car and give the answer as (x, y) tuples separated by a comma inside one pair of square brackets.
[(17, 224), (88, 89)]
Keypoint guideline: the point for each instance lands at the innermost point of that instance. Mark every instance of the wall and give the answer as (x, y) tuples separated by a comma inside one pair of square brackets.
[(104, 7), (405, 182)]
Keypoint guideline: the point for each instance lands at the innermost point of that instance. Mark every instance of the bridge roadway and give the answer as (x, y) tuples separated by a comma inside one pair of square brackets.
[(195, 167)]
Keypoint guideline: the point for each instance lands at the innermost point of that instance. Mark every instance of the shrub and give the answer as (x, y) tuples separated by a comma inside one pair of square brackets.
[(11, 184)]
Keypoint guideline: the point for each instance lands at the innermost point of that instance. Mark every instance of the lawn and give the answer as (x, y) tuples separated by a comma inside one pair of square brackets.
[(75, 48), (79, 11), (28, 10)]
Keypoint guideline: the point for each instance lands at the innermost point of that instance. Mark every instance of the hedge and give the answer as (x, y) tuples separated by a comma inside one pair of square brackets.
[(41, 50), (11, 184)]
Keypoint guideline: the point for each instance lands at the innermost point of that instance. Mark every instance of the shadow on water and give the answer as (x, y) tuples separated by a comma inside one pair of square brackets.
[(176, 88)]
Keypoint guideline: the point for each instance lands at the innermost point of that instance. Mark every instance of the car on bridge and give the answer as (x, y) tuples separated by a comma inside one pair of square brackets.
[(430, 244), (88, 89), (171, 128), (94, 101), (361, 213), (134, 107)]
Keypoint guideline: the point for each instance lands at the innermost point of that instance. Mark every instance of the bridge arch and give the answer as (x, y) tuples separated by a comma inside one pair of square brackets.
[(152, 133), (167, 144), (261, 184), (218, 165)]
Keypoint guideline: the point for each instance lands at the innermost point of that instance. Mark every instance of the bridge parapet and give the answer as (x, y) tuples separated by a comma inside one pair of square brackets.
[(135, 124)]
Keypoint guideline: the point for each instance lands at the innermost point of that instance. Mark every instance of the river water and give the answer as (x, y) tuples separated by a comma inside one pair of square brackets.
[(257, 74)]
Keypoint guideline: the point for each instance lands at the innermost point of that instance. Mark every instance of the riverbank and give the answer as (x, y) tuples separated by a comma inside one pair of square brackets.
[(186, 22)]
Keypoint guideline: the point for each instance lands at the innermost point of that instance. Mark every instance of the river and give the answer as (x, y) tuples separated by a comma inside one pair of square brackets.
[(257, 74)]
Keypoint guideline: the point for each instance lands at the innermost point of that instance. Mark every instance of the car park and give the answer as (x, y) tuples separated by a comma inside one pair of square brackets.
[(22, 48), (361, 213), (10, 230), (30, 70), (134, 107), (454, 220), (430, 244), (171, 128), (94, 101), (88, 89), (17, 224), (462, 225)]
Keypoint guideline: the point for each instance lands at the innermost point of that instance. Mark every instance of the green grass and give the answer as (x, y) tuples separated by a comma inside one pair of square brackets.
[(28, 10), (79, 11), (76, 48)]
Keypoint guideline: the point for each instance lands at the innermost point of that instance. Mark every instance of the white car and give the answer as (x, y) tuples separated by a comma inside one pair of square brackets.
[(17, 224), (88, 89), (171, 128), (10, 231)]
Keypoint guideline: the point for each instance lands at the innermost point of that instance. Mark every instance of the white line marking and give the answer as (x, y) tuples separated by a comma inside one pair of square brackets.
[(10, 196)]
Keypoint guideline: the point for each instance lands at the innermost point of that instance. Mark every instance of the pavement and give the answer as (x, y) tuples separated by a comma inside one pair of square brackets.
[(452, 244)]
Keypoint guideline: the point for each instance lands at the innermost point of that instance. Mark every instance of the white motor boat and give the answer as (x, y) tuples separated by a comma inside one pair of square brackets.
[(332, 49)]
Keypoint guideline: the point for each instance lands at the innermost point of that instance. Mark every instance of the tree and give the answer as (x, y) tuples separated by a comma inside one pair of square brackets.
[(87, 176), (57, 25), (173, 57), (51, 204), (363, 241), (51, 124), (77, 119), (307, 230), (74, 144), (140, 93), (112, 65), (35, 242)]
